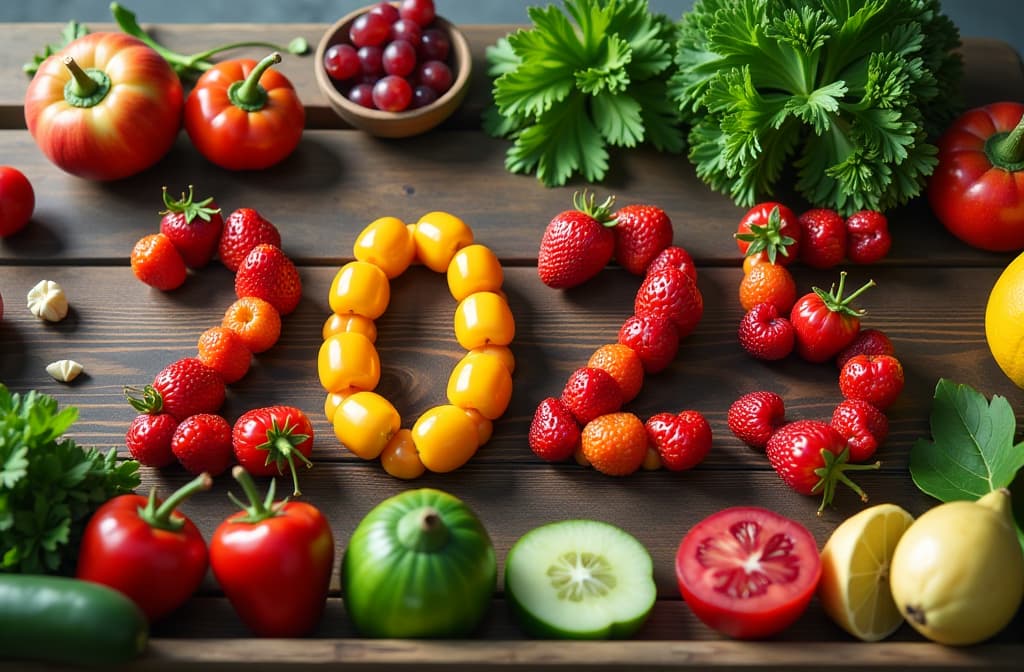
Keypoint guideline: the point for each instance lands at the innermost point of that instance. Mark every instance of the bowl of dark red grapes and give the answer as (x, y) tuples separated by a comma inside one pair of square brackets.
[(394, 69)]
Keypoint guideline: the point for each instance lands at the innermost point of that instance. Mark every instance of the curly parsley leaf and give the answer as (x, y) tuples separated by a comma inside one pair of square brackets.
[(69, 33), (579, 81), (49, 486)]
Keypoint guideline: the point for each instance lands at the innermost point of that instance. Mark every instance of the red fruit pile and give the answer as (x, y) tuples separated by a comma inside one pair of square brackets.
[(396, 58)]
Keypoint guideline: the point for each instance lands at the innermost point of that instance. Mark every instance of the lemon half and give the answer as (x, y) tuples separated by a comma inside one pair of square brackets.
[(854, 586), (1004, 321)]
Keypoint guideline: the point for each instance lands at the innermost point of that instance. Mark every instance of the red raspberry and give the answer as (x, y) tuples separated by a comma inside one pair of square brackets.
[(554, 434), (868, 342), (822, 238), (877, 379), (765, 334), (682, 440), (203, 443), (149, 439), (863, 426), (671, 294), (654, 338), (867, 237), (755, 416), (591, 392)]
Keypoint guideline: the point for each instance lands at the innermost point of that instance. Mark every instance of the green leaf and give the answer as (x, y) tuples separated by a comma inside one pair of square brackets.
[(972, 451), (611, 75), (71, 31), (618, 119), (817, 108), (563, 142), (501, 58)]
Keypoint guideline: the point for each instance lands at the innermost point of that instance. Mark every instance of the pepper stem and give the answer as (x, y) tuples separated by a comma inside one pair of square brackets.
[(1006, 150), (160, 516), (422, 530), (86, 88), (256, 510), (84, 85), (247, 94)]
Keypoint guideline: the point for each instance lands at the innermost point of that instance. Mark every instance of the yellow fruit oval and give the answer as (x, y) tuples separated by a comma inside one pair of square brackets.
[(474, 268), (361, 288), (365, 423), (484, 318), (334, 399), (481, 382), (1004, 321), (400, 458), (387, 243), (336, 324), (502, 352), (445, 438), (346, 360), (438, 236)]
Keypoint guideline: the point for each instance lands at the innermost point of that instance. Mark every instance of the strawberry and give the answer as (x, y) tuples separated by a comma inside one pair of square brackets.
[(183, 388), (755, 416), (194, 227), (156, 262), (812, 457), (202, 442), (267, 273), (864, 427), (576, 244), (822, 238), (867, 237), (554, 434), (876, 379), (224, 351), (591, 392), (682, 440), (149, 439), (868, 342), (244, 229), (765, 334), (671, 294), (641, 233), (624, 365), (655, 339), (674, 257)]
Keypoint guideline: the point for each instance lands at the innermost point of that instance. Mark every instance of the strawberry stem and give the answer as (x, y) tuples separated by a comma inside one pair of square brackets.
[(767, 238), (833, 472), (837, 303), (151, 400), (188, 206), (281, 446), (586, 202)]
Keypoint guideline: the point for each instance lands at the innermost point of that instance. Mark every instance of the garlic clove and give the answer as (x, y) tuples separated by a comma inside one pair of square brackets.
[(64, 370), (47, 301)]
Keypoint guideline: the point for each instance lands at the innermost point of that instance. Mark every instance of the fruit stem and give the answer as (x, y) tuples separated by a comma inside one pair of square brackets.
[(422, 530), (188, 206), (160, 516), (257, 510), (1006, 150), (86, 88), (247, 94), (586, 202)]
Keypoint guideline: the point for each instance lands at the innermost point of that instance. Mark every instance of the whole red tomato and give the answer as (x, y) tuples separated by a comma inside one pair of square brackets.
[(770, 230), (824, 322), (266, 440), (747, 571), (104, 107), (244, 115), (145, 549), (274, 561), (17, 201), (977, 189)]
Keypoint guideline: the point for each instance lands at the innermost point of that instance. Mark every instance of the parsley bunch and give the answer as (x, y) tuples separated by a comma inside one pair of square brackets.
[(850, 91), (566, 92), (48, 485)]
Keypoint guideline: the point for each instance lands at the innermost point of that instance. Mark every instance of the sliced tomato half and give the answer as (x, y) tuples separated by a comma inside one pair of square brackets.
[(747, 571)]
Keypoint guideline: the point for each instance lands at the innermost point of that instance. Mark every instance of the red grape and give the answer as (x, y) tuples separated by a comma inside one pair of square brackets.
[(434, 45), (420, 11), (362, 94), (341, 62), (407, 30), (370, 61), (392, 94), (423, 96), (369, 30), (387, 10), (436, 75), (399, 58)]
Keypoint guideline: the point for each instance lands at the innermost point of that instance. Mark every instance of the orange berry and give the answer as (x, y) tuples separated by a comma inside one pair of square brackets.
[(768, 283), (615, 443), (256, 321), (438, 236), (386, 242), (752, 260), (445, 437), (156, 262), (400, 458), (474, 269), (580, 458), (224, 351), (623, 364), (360, 287), (336, 324)]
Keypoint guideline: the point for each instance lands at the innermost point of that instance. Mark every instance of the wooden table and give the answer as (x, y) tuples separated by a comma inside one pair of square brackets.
[(930, 299)]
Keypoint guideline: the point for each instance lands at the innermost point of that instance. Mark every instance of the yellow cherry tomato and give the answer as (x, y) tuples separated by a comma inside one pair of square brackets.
[(438, 236), (400, 458), (362, 288), (348, 359), (481, 382), (387, 243), (474, 269), (483, 318), (502, 352), (484, 427), (334, 399), (365, 422), (336, 324), (445, 438)]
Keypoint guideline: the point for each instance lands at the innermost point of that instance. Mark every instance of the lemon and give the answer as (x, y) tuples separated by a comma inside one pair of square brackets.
[(854, 586), (1004, 321)]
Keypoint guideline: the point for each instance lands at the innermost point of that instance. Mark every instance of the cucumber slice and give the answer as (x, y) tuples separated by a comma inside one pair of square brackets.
[(580, 579)]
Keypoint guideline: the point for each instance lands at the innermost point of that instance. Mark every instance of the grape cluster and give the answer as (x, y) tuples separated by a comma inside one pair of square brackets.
[(396, 58)]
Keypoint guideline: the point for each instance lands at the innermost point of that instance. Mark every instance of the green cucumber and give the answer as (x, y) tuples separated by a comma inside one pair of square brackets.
[(580, 579), (62, 620)]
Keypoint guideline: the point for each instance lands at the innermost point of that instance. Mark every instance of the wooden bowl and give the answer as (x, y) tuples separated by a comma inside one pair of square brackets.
[(396, 124)]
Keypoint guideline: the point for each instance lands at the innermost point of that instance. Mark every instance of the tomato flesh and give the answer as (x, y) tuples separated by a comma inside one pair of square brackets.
[(748, 572)]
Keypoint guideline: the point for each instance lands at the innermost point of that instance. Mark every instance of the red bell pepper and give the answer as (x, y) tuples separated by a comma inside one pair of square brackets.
[(244, 115), (977, 189), (146, 549), (274, 562)]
